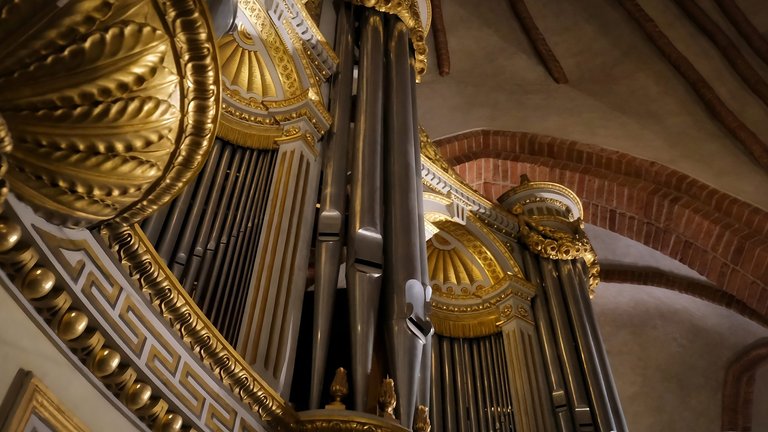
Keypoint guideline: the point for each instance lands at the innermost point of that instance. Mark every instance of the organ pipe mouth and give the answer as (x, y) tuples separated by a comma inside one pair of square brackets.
[(370, 267)]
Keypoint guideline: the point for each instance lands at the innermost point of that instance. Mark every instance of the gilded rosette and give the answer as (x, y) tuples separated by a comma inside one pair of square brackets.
[(112, 104)]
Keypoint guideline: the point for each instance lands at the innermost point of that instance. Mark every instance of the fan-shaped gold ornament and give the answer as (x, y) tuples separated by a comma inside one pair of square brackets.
[(111, 104)]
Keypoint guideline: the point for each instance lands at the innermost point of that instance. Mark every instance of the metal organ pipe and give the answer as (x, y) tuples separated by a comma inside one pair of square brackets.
[(330, 224), (562, 328), (601, 355), (227, 191), (596, 385), (406, 324), (203, 183), (448, 372), (436, 394), (548, 345), (365, 245), (477, 376), (476, 393)]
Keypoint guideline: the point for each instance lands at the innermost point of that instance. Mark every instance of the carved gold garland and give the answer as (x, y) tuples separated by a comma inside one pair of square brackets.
[(556, 244), (111, 113)]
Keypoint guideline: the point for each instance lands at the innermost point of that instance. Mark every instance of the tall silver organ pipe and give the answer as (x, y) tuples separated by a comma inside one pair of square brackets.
[(406, 325), (330, 222), (365, 246)]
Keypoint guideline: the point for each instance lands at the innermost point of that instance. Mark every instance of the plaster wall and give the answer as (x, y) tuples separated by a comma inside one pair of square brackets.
[(622, 93), (760, 401), (614, 249), (25, 346), (668, 353)]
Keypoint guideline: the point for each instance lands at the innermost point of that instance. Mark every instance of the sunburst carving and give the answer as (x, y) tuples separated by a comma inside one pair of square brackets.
[(244, 68), (452, 270)]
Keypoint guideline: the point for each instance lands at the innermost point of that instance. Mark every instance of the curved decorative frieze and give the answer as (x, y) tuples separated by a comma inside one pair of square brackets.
[(44, 293), (112, 104), (272, 64), (171, 301), (69, 278)]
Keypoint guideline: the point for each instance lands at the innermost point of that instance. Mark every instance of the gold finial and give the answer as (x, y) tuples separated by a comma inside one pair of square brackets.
[(387, 399), (339, 389), (422, 420)]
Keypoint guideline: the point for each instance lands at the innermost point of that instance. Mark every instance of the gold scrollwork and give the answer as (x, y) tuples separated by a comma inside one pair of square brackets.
[(112, 104)]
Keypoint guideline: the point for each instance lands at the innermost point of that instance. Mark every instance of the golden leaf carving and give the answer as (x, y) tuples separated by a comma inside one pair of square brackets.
[(73, 18), (112, 104), (106, 65), (124, 125)]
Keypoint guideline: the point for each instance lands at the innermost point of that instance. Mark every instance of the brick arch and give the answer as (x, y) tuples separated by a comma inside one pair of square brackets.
[(739, 387), (719, 236)]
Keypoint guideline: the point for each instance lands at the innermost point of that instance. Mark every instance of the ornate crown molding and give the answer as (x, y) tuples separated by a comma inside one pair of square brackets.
[(441, 178), (111, 104)]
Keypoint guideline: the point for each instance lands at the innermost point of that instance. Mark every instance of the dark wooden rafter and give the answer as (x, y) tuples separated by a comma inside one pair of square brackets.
[(539, 42), (727, 47), (732, 123), (441, 38), (739, 386), (746, 29)]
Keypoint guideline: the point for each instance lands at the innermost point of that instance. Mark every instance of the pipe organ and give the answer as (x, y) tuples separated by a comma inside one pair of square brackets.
[(307, 231), (209, 234)]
